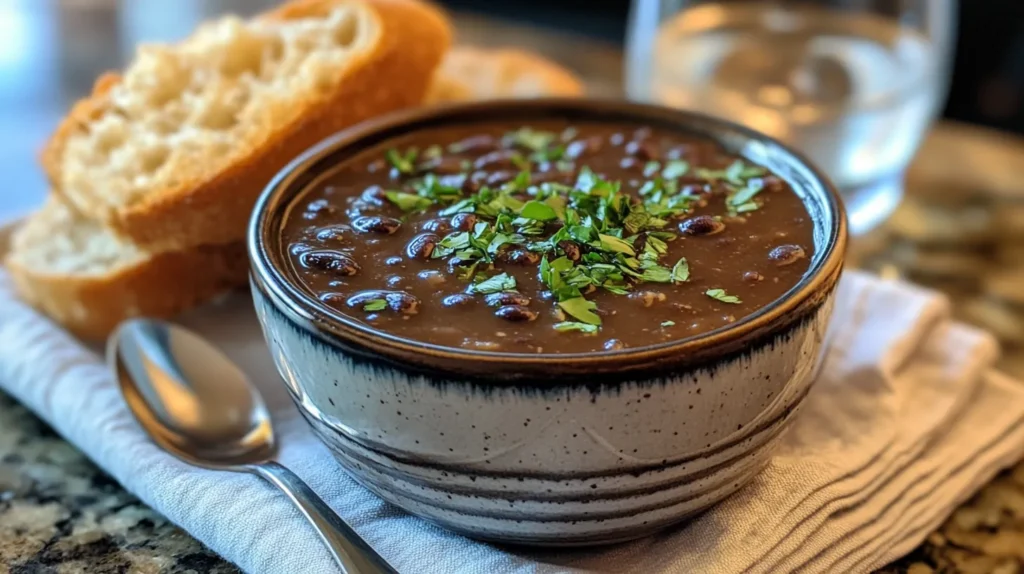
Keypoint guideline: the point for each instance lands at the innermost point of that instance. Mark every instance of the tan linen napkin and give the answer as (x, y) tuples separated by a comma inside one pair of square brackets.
[(905, 421)]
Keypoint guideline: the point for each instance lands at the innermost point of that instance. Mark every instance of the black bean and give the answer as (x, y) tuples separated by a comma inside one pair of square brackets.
[(474, 144), (613, 345), (701, 225), (463, 221), (441, 165), (457, 181), (500, 177), (440, 226), (458, 300), (475, 181), (506, 298), (421, 246), (455, 264), (753, 277), (515, 313), (519, 257), (617, 139), (628, 163), (773, 183), (393, 260), (642, 150), (579, 147), (787, 254), (376, 224), (299, 248), (571, 250), (374, 195), (336, 262), (333, 233), (496, 159), (318, 207), (398, 301)]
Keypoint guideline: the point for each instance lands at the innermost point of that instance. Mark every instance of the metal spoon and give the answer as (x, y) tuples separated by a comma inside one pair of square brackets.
[(198, 405)]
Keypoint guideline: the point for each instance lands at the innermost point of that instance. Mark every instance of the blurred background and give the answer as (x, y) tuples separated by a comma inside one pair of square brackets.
[(865, 87)]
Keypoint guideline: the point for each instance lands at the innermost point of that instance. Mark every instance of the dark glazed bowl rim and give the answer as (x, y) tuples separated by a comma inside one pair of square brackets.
[(362, 342)]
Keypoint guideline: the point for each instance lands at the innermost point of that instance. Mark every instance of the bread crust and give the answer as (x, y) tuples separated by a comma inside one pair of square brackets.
[(393, 74), (91, 306)]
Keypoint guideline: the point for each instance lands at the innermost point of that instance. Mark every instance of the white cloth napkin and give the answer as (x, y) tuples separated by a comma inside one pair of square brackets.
[(906, 421)]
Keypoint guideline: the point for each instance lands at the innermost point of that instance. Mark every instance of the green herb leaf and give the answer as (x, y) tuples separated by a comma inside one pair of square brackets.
[(538, 210), (404, 164), (467, 205), (586, 180), (748, 206), (533, 140), (651, 168), (375, 305), (722, 296), (496, 284), (450, 244), (520, 183), (408, 202), (613, 244), (657, 274), (674, 169), (667, 323), (433, 152), (744, 195), (582, 309), (681, 271), (575, 326)]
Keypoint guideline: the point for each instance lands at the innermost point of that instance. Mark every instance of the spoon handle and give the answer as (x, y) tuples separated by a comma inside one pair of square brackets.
[(352, 553)]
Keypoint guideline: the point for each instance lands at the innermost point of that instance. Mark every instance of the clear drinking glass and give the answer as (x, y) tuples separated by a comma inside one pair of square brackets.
[(854, 84)]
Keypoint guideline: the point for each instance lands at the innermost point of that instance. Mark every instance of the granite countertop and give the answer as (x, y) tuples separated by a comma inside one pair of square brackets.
[(59, 513)]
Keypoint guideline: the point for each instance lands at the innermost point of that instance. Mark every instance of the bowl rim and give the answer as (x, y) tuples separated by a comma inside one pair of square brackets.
[(364, 342)]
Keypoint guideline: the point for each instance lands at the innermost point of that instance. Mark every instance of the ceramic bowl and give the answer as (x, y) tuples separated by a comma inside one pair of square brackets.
[(549, 449)]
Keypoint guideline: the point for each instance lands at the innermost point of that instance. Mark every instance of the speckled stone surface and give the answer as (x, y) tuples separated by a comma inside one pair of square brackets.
[(59, 514)]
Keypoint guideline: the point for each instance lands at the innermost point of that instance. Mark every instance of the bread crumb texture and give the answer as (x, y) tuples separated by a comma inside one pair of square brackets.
[(182, 112)]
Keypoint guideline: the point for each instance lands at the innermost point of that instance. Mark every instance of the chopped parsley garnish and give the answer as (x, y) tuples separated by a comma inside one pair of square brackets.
[(590, 236), (722, 296), (681, 271), (576, 326), (496, 284), (581, 309), (675, 169), (538, 211), (408, 202), (375, 305), (403, 163)]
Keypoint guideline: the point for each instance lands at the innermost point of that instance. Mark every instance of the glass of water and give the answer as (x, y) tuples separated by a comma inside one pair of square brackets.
[(853, 84)]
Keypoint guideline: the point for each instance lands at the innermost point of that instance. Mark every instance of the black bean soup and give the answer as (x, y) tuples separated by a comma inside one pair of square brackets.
[(548, 237)]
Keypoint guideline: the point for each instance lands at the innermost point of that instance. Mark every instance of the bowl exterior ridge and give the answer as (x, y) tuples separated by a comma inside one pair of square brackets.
[(561, 465)]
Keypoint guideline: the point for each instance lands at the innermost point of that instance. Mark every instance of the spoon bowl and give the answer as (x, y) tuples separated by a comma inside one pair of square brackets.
[(199, 406)]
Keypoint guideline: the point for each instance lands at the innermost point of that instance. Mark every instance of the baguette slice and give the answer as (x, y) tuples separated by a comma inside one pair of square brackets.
[(173, 153), (88, 279), (470, 73)]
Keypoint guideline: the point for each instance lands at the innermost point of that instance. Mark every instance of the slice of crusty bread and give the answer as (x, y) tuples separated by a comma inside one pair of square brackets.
[(470, 73), (173, 153), (88, 279)]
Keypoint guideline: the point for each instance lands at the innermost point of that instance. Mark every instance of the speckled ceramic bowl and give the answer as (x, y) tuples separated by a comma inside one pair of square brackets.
[(549, 449)]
